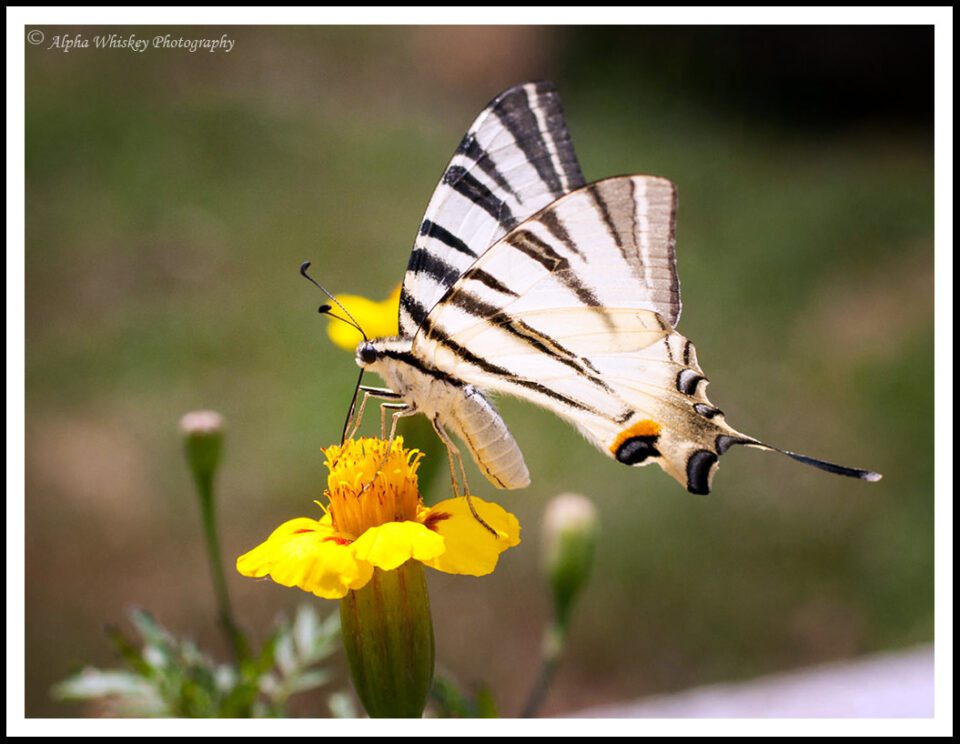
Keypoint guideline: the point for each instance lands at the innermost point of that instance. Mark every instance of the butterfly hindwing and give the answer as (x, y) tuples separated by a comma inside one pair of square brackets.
[(515, 159), (629, 383)]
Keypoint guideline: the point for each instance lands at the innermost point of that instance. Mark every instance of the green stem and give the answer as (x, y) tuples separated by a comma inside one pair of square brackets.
[(552, 647), (224, 612)]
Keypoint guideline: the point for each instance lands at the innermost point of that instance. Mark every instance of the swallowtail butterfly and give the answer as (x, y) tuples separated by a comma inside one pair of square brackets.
[(526, 280)]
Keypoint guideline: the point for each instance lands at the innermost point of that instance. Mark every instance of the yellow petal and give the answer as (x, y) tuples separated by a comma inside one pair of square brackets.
[(470, 548), (378, 319), (307, 554), (392, 544)]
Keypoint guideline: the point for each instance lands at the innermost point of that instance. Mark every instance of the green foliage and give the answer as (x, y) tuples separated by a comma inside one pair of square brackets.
[(167, 676), (449, 701)]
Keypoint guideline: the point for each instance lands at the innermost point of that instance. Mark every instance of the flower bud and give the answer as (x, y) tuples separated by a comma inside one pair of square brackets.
[(388, 636), (203, 439), (569, 538)]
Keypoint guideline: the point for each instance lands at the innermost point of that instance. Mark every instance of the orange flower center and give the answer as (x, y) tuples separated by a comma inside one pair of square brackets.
[(370, 485)]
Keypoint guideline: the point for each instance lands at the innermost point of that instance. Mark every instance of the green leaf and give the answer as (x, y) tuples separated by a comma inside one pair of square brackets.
[(174, 677), (486, 707), (94, 683), (285, 654), (159, 645), (150, 630), (308, 680), (128, 652), (341, 705), (450, 702), (305, 631)]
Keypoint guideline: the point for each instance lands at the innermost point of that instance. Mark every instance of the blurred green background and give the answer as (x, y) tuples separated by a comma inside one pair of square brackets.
[(170, 198)]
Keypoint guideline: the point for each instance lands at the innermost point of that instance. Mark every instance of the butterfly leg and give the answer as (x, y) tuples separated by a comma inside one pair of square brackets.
[(454, 454), (399, 410), (369, 392)]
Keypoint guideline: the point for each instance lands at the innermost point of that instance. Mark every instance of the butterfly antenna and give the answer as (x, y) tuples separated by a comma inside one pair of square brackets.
[(325, 309), (352, 409)]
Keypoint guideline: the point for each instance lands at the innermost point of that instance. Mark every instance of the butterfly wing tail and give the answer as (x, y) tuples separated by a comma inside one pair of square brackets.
[(829, 467), (674, 424), (692, 456)]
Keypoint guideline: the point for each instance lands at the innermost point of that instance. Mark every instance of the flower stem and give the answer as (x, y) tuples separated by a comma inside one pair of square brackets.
[(552, 647), (203, 443), (235, 637)]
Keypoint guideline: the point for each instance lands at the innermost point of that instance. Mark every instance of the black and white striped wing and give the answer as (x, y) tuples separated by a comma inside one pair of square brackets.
[(515, 159), (606, 246), (574, 310)]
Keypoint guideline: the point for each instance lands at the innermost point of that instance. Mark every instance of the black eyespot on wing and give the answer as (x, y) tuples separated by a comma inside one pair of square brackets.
[(698, 471), (635, 450), (707, 411), (725, 442), (687, 381)]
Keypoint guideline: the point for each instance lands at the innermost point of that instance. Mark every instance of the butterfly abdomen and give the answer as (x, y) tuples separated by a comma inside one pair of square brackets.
[(478, 424)]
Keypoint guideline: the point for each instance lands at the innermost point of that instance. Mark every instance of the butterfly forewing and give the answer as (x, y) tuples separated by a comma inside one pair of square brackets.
[(515, 159), (606, 246)]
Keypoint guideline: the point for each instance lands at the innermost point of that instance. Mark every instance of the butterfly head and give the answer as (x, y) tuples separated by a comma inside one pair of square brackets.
[(367, 354), (383, 354)]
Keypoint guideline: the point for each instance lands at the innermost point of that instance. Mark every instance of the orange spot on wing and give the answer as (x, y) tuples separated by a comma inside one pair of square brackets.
[(645, 428)]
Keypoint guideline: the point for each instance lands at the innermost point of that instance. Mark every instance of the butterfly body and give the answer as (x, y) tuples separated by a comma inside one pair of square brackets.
[(525, 280), (452, 406)]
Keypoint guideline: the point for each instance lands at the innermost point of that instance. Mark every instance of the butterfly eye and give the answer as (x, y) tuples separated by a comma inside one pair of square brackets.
[(366, 353)]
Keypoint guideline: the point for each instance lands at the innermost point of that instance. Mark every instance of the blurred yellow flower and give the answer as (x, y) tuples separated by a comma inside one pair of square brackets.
[(378, 319), (376, 519)]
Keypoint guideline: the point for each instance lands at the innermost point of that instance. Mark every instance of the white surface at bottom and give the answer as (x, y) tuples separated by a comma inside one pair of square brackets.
[(889, 685)]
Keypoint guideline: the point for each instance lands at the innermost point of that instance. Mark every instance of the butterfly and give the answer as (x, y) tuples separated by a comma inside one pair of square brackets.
[(525, 280)]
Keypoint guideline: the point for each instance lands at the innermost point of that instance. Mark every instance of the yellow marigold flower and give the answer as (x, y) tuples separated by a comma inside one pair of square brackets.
[(376, 519), (378, 319), (367, 549)]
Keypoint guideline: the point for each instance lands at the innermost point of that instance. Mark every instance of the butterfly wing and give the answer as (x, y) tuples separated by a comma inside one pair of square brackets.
[(515, 159), (574, 310)]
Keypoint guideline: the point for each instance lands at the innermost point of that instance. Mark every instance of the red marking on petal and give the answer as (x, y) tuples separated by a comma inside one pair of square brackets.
[(433, 517), (303, 531), (338, 540)]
